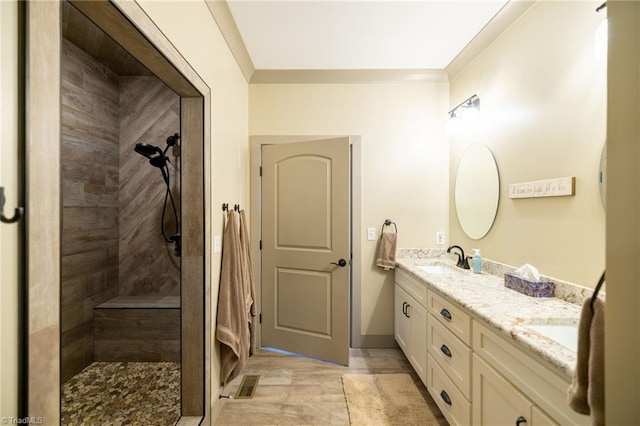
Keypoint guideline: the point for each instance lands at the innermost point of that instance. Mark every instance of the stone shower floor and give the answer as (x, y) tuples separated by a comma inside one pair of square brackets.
[(123, 393)]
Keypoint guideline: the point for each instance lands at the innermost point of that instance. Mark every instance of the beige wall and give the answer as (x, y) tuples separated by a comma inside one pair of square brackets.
[(404, 167), (9, 233), (192, 30), (543, 107)]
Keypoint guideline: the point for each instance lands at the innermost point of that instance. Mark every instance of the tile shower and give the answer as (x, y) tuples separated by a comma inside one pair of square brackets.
[(120, 284)]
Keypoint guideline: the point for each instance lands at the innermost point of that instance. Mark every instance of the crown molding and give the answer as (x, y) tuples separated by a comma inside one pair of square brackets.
[(347, 76), (505, 18), (224, 19)]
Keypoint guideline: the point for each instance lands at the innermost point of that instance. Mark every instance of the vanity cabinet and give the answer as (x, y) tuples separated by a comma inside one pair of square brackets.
[(475, 375), (411, 321), (496, 401), (449, 360), (509, 383)]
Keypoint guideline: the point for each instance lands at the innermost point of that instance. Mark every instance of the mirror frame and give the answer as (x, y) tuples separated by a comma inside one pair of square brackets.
[(477, 191)]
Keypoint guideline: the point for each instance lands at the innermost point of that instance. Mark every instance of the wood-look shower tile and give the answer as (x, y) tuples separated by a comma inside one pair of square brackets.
[(86, 148), (154, 129), (154, 324), (83, 124), (148, 113), (94, 79), (82, 241), (89, 218), (80, 288), (82, 263)]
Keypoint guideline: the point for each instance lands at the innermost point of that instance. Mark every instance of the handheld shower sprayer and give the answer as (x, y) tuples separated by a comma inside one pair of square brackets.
[(157, 158)]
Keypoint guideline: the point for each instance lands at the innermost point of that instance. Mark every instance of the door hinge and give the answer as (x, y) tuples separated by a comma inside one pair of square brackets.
[(260, 319), (260, 171), (260, 244)]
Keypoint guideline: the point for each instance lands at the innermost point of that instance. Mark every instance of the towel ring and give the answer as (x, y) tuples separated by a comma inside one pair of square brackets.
[(388, 222)]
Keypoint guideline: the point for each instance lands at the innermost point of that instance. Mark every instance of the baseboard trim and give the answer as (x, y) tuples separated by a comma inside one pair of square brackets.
[(374, 341)]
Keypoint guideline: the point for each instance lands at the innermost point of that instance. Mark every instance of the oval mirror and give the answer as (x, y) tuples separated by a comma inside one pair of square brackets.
[(602, 176), (477, 191)]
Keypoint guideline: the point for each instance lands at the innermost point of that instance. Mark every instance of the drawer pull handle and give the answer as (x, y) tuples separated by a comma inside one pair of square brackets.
[(446, 314), (520, 420), (445, 398), (404, 308), (445, 350), (406, 314)]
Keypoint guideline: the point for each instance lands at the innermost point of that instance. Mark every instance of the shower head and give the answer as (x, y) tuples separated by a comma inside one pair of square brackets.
[(147, 150), (153, 153)]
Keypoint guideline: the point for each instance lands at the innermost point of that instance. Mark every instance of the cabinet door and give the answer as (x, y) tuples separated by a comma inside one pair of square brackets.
[(540, 418), (418, 339), (495, 400), (402, 324)]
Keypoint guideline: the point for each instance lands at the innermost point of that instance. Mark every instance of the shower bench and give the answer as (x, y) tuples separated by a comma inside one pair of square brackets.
[(137, 328)]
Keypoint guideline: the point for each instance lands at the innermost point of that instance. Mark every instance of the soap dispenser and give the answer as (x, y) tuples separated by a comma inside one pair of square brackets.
[(477, 261)]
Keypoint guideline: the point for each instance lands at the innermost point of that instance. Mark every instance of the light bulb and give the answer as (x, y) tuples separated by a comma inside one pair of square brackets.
[(453, 126), (601, 41)]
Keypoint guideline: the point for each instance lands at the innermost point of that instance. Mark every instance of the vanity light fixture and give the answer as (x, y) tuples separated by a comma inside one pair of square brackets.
[(467, 110), (601, 39)]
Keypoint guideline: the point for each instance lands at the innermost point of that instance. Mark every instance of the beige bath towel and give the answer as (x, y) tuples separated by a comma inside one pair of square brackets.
[(249, 283), (586, 392), (232, 329), (387, 251)]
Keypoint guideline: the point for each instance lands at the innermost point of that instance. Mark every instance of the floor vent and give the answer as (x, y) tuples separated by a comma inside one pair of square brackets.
[(247, 387)]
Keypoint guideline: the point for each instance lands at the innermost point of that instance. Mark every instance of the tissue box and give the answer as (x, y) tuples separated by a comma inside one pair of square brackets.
[(530, 288)]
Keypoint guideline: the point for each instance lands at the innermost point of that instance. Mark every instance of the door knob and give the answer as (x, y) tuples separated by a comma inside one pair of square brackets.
[(341, 263)]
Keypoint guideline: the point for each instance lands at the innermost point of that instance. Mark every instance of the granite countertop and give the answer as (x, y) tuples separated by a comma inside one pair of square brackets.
[(504, 310)]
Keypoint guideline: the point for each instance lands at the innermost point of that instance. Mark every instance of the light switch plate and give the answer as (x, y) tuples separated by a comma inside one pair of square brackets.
[(371, 233), (439, 237), (217, 244)]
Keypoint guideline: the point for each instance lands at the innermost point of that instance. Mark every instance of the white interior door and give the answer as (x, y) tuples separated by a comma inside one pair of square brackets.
[(306, 248)]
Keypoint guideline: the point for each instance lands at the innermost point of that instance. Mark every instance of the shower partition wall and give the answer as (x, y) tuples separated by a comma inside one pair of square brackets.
[(112, 247), (127, 24)]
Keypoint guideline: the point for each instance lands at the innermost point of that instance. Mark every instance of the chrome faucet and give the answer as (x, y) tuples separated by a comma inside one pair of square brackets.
[(463, 262)]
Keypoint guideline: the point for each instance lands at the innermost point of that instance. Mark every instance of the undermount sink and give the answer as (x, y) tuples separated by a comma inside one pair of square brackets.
[(566, 333), (436, 269)]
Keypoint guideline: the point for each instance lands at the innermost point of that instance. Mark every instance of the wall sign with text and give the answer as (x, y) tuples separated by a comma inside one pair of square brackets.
[(559, 187)]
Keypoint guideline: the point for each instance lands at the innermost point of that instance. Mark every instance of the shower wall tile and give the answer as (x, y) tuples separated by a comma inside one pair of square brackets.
[(149, 113), (90, 132), (140, 334)]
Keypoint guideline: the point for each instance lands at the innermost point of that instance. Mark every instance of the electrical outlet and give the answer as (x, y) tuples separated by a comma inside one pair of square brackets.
[(439, 237), (217, 244), (371, 233)]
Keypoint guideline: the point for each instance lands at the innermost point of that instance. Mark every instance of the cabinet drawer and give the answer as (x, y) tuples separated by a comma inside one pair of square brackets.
[(451, 354), (546, 388), (449, 314), (451, 402), (415, 288)]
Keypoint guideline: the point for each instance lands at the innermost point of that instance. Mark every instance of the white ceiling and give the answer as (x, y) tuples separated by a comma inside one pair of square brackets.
[(357, 34)]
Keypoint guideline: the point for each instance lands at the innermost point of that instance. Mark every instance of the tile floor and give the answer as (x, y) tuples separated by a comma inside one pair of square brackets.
[(123, 393), (301, 391)]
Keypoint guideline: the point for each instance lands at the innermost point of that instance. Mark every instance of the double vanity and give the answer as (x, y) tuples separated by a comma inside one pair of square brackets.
[(487, 354)]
